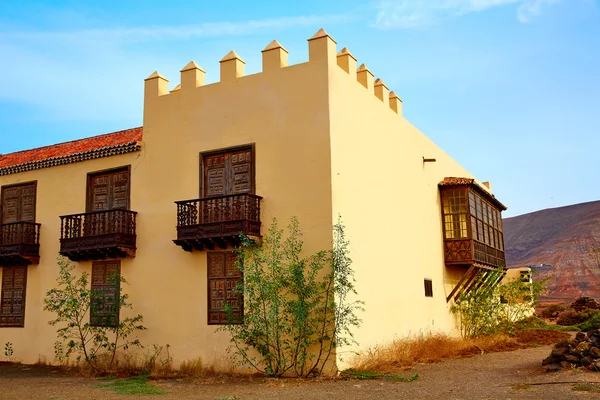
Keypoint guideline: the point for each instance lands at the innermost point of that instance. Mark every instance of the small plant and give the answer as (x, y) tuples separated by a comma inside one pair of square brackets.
[(587, 387), (137, 385), (8, 351), (572, 317), (369, 375), (297, 309), (70, 301)]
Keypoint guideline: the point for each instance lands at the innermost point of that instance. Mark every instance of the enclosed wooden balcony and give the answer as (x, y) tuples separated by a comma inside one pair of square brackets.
[(19, 243), (472, 224), (98, 235), (217, 221)]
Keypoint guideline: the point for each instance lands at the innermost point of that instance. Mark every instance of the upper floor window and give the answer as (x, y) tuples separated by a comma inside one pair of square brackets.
[(227, 171), (108, 190), (18, 203), (467, 214)]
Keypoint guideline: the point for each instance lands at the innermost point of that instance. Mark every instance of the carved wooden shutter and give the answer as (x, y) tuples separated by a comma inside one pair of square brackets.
[(104, 309), (240, 171), (12, 307), (215, 175), (223, 279), (18, 203), (109, 191), (99, 191), (229, 172)]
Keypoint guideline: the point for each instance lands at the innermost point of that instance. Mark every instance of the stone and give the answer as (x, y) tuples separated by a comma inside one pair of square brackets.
[(585, 361), (580, 337), (559, 352), (566, 365), (550, 360), (582, 347), (553, 368), (595, 352), (572, 359)]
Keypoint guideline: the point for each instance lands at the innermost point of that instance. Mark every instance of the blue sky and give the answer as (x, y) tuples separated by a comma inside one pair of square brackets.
[(509, 88)]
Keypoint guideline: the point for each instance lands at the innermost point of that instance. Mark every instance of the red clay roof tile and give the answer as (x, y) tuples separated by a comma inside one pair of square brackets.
[(76, 150)]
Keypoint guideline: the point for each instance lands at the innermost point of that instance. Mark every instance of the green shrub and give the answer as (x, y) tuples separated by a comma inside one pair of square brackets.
[(297, 308), (71, 301), (591, 324), (552, 311)]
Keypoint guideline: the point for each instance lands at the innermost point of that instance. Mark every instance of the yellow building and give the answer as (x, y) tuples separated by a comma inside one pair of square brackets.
[(313, 140)]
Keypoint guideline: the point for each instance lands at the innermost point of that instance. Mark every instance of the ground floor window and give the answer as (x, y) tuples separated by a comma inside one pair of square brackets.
[(12, 303), (223, 279), (106, 283), (428, 288)]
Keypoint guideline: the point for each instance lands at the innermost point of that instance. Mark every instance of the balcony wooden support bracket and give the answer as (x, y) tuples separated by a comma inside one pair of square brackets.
[(478, 277)]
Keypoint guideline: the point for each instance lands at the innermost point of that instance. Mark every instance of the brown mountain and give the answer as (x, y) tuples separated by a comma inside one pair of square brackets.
[(556, 242)]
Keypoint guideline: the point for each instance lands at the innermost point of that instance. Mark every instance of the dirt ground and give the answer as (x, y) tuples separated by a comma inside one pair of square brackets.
[(509, 375)]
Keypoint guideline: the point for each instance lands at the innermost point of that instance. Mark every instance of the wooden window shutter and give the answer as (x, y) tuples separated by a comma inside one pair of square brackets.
[(106, 284), (12, 303), (223, 280)]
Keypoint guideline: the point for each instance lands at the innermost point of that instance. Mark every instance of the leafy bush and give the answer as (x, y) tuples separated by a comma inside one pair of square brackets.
[(71, 302), (296, 309), (486, 309), (591, 324), (552, 311), (572, 317)]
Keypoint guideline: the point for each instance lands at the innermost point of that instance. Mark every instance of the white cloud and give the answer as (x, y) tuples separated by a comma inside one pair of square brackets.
[(532, 8), (406, 14)]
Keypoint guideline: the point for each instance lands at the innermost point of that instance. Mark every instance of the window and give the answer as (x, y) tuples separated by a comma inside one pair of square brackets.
[(12, 304), (18, 203), (486, 221), (454, 206), (428, 288), (227, 171), (108, 190), (106, 284), (223, 280)]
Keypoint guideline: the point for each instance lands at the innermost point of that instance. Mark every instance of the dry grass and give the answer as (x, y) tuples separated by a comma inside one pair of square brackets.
[(404, 353)]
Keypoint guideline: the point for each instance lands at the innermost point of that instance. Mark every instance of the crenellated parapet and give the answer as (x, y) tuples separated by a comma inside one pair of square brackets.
[(321, 50)]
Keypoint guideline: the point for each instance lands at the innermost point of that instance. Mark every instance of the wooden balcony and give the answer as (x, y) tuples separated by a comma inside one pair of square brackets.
[(217, 221), (465, 252), (98, 235), (19, 243)]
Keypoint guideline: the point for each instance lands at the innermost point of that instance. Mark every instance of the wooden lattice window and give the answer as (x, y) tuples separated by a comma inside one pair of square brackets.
[(223, 279), (18, 203), (106, 283), (12, 305), (428, 288), (454, 207), (486, 221)]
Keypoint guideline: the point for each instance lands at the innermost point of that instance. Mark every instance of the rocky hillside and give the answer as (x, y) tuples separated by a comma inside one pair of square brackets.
[(556, 242)]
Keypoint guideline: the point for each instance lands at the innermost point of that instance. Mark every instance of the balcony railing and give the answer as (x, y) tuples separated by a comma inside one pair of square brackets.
[(464, 252), (98, 235), (19, 243), (217, 221)]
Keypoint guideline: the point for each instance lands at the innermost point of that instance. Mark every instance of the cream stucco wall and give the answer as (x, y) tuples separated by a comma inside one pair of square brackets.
[(389, 200), (325, 146), (283, 112)]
